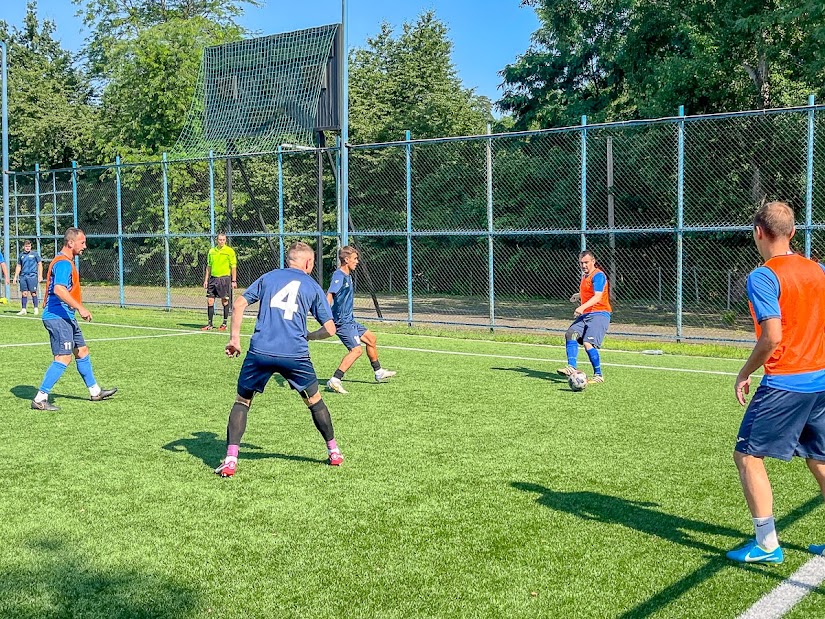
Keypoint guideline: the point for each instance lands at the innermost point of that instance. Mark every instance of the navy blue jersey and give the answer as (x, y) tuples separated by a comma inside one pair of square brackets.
[(28, 262), (342, 292), (286, 297)]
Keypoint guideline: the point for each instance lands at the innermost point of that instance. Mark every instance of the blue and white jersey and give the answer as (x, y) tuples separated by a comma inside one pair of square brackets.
[(286, 296), (28, 263), (342, 292), (61, 276)]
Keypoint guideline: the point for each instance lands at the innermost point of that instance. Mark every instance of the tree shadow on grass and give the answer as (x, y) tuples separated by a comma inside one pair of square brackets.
[(57, 582), (642, 516), (531, 373), (27, 392), (210, 449)]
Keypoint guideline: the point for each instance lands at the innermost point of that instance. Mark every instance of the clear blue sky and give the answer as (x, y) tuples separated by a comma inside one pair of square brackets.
[(486, 34)]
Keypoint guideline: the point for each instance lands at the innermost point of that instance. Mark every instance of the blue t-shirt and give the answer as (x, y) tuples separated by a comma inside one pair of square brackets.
[(2, 258), (61, 276), (763, 293), (28, 262), (342, 291), (286, 297)]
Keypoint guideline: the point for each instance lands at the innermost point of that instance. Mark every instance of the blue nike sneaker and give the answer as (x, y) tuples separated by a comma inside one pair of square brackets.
[(754, 553), (817, 549)]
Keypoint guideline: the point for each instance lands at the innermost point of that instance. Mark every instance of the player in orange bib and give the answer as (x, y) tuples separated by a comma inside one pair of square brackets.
[(62, 298), (786, 416), (592, 317)]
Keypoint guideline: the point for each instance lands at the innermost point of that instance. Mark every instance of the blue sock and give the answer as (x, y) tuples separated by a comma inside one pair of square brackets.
[(25, 302), (572, 347), (53, 374), (34, 300), (593, 353), (84, 366)]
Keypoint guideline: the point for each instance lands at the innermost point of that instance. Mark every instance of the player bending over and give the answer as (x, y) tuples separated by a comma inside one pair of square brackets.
[(592, 317), (279, 346), (786, 416), (351, 333)]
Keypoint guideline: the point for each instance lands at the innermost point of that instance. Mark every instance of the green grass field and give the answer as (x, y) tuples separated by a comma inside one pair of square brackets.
[(476, 484)]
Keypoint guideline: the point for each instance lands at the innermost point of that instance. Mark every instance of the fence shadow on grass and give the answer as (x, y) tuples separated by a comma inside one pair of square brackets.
[(644, 517), (210, 449), (58, 582)]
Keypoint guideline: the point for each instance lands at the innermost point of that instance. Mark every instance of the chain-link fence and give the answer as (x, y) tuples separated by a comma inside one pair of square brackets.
[(475, 231)]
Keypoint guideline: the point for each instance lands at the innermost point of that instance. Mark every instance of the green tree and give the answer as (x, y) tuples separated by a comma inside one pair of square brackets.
[(146, 55), (50, 115)]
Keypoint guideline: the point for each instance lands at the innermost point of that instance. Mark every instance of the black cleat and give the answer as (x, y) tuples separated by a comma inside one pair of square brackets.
[(104, 394), (45, 405)]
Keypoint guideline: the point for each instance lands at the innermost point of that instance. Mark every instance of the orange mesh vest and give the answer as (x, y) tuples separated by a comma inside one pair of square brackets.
[(586, 292), (74, 290), (802, 305)]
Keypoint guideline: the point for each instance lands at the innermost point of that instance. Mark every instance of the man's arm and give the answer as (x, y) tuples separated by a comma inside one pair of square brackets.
[(326, 330), (770, 338), (329, 298), (233, 348), (586, 306), (16, 272), (234, 277), (62, 293), (206, 276), (39, 270), (5, 272)]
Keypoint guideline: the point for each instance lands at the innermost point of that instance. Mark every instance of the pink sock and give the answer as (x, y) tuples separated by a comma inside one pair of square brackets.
[(232, 451), (332, 445)]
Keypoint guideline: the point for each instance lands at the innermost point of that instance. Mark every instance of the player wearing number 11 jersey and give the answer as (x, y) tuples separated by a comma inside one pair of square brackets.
[(279, 346)]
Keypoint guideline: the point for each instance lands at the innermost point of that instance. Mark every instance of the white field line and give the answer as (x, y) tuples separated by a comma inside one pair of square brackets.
[(106, 339), (107, 324), (788, 594)]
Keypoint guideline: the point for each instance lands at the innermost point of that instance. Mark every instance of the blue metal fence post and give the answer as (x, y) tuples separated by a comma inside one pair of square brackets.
[(338, 228), (680, 220), (491, 287), (54, 209), (408, 149), (4, 125), (212, 196), (165, 166), (584, 184), (119, 233), (74, 205), (344, 116), (37, 206), (809, 178), (281, 206)]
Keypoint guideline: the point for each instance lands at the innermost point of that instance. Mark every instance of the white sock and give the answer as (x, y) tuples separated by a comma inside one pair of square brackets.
[(41, 397), (766, 533), (94, 390)]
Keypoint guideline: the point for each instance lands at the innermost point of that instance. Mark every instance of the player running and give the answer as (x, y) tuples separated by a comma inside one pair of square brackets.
[(29, 273), (592, 317), (786, 416), (62, 299), (279, 346), (350, 332)]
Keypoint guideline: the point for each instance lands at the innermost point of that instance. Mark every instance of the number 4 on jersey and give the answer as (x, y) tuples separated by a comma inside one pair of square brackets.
[(285, 299)]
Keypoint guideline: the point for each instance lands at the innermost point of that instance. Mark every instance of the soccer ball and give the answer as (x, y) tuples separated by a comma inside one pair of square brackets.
[(577, 381)]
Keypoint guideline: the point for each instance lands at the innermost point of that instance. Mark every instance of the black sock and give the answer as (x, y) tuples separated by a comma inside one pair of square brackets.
[(237, 423), (210, 313), (376, 365), (322, 420), (338, 374), (225, 312)]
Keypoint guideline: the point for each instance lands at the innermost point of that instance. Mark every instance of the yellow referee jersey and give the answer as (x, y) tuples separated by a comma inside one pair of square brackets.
[(221, 261)]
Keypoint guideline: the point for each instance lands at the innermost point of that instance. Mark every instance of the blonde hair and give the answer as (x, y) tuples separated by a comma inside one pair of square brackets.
[(296, 249), (776, 220), (345, 252)]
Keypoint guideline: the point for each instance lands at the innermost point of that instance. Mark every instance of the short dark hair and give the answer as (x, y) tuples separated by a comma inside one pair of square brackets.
[(776, 219), (587, 252), (345, 252), (27, 242)]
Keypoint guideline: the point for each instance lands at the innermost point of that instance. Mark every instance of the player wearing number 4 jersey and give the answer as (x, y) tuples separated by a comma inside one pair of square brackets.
[(350, 332), (279, 346)]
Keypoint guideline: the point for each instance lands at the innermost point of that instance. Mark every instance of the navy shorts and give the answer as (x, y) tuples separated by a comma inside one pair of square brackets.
[(28, 283), (64, 335), (350, 334), (257, 369), (590, 328), (783, 424)]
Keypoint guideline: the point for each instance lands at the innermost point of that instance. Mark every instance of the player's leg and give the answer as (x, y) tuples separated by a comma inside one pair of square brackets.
[(61, 340), (33, 292), (225, 304), (771, 427), (369, 340), (596, 326), (210, 304), (300, 374), (572, 338), (348, 334), (812, 448), (84, 368), (24, 296)]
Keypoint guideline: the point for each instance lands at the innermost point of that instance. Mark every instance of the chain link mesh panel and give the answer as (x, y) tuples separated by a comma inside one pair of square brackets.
[(382, 272), (378, 189)]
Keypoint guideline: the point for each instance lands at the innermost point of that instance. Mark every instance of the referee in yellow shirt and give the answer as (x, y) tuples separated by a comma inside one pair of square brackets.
[(220, 279)]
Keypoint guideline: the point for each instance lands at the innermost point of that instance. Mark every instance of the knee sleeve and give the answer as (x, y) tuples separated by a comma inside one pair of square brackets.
[(572, 335), (309, 392)]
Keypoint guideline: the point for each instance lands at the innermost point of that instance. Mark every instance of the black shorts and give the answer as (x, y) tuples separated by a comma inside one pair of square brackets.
[(219, 287)]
